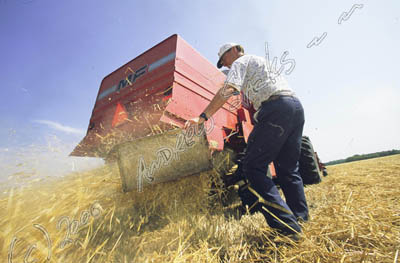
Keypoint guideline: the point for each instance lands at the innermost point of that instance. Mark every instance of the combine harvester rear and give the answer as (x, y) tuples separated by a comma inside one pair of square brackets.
[(141, 108)]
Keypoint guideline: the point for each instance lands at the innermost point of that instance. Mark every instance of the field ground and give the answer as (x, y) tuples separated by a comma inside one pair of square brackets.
[(85, 217)]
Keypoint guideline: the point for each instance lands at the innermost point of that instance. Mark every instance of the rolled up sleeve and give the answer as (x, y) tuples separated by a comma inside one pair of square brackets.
[(236, 75)]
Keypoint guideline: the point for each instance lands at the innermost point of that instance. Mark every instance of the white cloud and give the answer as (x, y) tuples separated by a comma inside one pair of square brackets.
[(59, 127)]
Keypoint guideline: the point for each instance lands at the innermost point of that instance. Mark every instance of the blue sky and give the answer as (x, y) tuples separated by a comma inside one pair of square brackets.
[(54, 55)]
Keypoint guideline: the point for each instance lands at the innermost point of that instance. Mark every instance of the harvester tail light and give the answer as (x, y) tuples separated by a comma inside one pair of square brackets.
[(167, 93), (120, 115)]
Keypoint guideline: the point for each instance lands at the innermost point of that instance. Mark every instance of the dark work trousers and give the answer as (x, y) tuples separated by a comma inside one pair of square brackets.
[(276, 137)]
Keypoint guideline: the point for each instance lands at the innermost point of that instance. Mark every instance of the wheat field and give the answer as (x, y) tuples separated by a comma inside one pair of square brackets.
[(85, 217)]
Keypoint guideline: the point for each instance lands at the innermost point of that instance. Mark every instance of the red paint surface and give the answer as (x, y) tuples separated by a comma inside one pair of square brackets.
[(194, 81)]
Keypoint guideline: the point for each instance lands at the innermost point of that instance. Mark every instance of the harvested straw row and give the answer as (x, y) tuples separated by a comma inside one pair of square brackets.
[(355, 217)]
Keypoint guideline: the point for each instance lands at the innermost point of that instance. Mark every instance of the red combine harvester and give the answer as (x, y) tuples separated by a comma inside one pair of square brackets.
[(141, 108)]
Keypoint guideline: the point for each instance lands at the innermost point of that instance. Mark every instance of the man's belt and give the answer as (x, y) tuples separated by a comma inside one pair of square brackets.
[(275, 97)]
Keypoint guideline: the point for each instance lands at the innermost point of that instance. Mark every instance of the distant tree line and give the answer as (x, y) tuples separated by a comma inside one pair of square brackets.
[(359, 157)]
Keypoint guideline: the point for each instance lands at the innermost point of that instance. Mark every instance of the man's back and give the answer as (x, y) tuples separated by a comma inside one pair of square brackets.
[(253, 76)]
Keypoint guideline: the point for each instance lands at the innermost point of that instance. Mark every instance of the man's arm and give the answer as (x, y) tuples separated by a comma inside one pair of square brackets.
[(219, 99), (217, 102)]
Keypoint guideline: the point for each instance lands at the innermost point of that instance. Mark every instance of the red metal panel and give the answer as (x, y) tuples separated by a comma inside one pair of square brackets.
[(207, 74), (141, 87), (154, 75), (245, 119), (188, 106), (197, 81)]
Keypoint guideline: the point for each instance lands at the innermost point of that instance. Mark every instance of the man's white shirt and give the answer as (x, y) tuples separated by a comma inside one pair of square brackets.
[(256, 80)]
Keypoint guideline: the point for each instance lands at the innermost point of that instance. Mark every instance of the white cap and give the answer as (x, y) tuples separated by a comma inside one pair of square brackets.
[(224, 48)]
